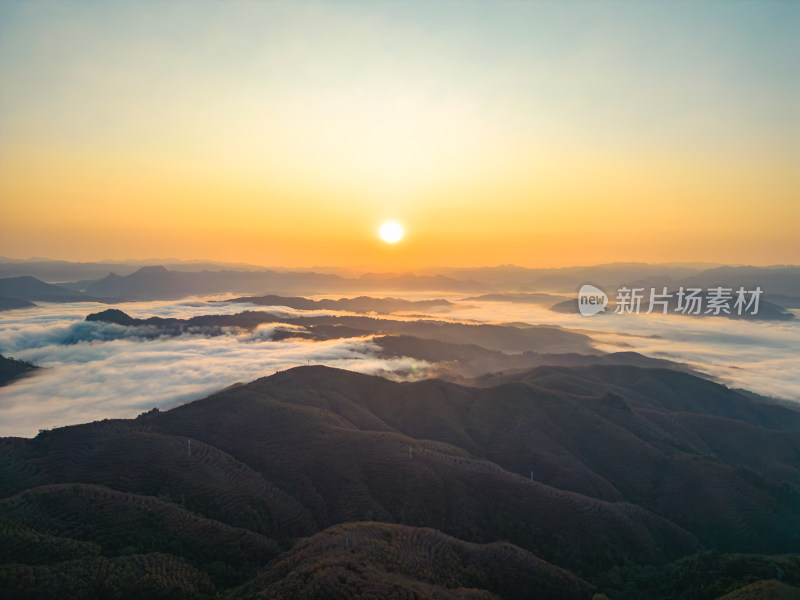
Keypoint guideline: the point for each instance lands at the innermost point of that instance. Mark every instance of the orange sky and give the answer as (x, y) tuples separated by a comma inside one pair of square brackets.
[(285, 134)]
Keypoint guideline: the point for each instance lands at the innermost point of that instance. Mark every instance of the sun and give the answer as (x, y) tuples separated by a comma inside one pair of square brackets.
[(391, 232)]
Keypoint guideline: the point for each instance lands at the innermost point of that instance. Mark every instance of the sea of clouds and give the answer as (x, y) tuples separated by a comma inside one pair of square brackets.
[(96, 370), (760, 356)]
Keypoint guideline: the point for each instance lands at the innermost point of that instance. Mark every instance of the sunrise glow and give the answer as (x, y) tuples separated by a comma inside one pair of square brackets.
[(282, 144), (391, 232)]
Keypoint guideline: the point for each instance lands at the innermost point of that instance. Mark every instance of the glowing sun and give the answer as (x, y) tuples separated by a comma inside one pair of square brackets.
[(391, 232)]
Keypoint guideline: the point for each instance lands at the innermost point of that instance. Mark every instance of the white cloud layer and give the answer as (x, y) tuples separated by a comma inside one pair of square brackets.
[(97, 370), (761, 356)]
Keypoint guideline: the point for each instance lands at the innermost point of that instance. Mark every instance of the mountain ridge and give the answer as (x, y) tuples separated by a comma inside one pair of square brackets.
[(579, 472)]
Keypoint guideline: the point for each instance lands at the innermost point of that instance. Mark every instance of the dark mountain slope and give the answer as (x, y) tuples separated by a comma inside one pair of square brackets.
[(124, 456), (764, 590), (340, 464), (608, 472), (108, 522), (380, 560), (14, 303), (11, 369), (154, 576), (355, 468), (651, 450), (658, 389)]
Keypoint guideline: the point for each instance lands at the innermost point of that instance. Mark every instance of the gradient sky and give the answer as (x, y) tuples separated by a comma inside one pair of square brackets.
[(533, 133)]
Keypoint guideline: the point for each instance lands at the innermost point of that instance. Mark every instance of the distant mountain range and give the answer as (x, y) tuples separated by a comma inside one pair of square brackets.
[(60, 271), (517, 298), (13, 303), (503, 338), (315, 482), (171, 281), (777, 279), (456, 351), (361, 304), (153, 283), (569, 279), (465, 362), (18, 292)]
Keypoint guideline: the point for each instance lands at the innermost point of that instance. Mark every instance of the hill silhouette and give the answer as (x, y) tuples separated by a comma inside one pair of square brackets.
[(460, 362), (504, 338), (452, 348), (361, 304), (13, 303), (157, 283), (322, 479), (516, 297), (27, 288), (764, 590), (11, 369), (384, 560), (507, 282)]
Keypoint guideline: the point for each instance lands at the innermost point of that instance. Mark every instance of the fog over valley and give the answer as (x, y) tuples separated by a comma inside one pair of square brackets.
[(102, 369)]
